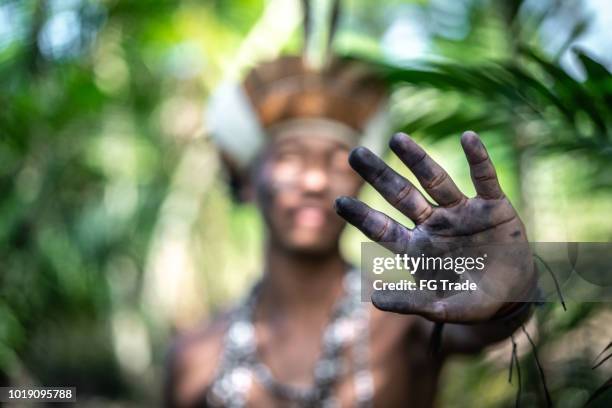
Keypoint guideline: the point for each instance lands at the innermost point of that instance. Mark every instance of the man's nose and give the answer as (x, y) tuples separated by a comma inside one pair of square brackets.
[(315, 179)]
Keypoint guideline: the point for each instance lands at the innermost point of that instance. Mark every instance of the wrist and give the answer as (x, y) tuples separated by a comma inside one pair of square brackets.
[(523, 306), (517, 312), (513, 311)]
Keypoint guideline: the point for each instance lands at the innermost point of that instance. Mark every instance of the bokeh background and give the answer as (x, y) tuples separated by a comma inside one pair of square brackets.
[(117, 228)]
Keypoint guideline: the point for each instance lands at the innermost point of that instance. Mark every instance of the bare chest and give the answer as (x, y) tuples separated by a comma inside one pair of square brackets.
[(399, 369)]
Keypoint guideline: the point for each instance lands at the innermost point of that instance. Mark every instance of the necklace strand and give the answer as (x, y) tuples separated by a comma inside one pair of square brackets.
[(240, 364)]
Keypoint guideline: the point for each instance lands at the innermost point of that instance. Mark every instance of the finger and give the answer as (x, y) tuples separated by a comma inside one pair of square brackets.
[(398, 191), (374, 224), (482, 170), (432, 177)]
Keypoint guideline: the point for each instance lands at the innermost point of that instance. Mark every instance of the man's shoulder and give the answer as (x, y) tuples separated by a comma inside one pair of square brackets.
[(204, 336), (193, 359)]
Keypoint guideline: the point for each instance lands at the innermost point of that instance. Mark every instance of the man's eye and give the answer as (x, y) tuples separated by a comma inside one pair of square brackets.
[(287, 156), (286, 168), (339, 161)]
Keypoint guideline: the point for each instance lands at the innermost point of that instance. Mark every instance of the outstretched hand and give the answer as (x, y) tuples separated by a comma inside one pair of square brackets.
[(456, 219)]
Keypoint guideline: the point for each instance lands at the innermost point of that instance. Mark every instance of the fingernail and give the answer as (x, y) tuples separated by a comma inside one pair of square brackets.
[(345, 206)]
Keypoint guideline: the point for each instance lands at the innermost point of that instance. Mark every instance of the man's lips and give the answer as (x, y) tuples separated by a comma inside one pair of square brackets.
[(313, 217)]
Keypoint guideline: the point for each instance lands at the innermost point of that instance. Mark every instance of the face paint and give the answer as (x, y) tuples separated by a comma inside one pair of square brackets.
[(297, 182)]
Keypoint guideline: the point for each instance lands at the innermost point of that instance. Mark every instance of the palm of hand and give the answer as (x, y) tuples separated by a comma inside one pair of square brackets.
[(485, 220)]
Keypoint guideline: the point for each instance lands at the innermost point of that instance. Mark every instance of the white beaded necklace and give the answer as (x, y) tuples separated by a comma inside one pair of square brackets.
[(240, 365)]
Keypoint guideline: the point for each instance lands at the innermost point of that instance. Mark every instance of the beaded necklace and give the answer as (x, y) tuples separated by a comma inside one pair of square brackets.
[(240, 364)]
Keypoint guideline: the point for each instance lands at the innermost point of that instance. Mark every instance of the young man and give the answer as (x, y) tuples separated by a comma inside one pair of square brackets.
[(302, 337)]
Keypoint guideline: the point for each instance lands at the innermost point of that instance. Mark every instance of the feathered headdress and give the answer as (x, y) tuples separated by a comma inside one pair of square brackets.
[(315, 88)]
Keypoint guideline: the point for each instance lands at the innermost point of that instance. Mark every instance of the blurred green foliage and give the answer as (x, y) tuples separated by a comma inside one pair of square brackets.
[(104, 173)]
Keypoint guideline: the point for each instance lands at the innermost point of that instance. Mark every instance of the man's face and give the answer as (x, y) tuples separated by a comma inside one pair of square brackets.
[(300, 176)]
